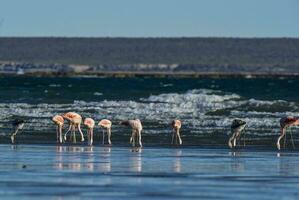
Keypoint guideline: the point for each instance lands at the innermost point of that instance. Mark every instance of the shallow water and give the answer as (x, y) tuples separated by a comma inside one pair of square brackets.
[(76, 172)]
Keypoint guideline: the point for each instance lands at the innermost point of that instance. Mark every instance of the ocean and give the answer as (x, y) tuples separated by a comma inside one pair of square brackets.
[(203, 167)]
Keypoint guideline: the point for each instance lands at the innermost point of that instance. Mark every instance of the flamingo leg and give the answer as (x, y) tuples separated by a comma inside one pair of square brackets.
[(109, 135), (88, 136), (283, 132), (82, 136), (235, 141), (293, 144), (173, 132), (285, 141), (180, 140), (74, 134), (179, 137), (57, 134), (133, 138), (103, 137), (91, 136), (231, 141), (67, 132), (12, 137), (60, 135), (139, 138), (237, 137)]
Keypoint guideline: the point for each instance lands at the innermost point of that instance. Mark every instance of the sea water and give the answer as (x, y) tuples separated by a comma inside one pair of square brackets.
[(35, 167)]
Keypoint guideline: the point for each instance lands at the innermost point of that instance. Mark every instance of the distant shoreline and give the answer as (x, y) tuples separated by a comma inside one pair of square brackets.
[(153, 74), (190, 57)]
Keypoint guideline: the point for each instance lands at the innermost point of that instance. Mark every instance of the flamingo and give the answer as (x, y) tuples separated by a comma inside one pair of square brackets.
[(59, 121), (176, 126), (17, 124), (285, 122), (136, 130), (106, 124), (90, 125), (75, 120), (237, 127)]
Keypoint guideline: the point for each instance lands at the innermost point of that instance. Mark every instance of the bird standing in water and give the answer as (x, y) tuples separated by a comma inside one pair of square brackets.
[(17, 124), (106, 124), (136, 130), (237, 127), (90, 125), (75, 120), (59, 121), (285, 122), (176, 126)]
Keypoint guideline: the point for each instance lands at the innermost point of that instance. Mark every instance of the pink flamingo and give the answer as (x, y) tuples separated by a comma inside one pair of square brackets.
[(176, 126), (136, 130), (90, 125), (285, 122), (59, 121), (75, 120), (106, 124)]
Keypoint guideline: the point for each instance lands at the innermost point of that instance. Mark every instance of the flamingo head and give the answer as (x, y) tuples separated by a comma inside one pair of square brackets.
[(176, 124), (57, 119), (105, 123), (89, 123)]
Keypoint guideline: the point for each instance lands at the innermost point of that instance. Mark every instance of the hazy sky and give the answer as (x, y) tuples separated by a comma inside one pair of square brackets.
[(150, 18)]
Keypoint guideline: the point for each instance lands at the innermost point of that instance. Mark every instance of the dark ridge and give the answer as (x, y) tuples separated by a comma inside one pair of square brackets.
[(176, 55), (120, 51)]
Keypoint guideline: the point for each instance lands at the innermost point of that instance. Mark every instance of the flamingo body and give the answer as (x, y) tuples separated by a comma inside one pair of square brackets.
[(286, 122), (136, 130), (17, 124), (89, 122), (237, 127), (59, 121), (90, 125), (73, 117), (176, 137), (106, 124), (75, 121)]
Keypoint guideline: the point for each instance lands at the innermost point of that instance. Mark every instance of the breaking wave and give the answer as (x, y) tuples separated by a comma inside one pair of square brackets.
[(203, 112)]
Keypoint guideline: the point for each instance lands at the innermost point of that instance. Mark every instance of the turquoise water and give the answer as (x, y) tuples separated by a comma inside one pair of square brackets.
[(203, 168)]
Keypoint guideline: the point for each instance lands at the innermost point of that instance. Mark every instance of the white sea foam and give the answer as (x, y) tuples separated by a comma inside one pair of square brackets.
[(199, 110)]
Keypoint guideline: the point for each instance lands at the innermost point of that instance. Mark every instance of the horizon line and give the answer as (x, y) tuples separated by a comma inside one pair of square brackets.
[(153, 37)]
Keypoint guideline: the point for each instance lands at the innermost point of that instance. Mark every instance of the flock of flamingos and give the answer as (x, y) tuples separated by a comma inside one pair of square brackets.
[(75, 120)]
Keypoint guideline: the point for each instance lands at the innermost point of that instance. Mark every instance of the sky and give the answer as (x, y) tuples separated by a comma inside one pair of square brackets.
[(150, 18)]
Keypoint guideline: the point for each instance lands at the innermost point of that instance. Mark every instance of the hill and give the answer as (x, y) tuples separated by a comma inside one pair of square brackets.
[(154, 54)]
